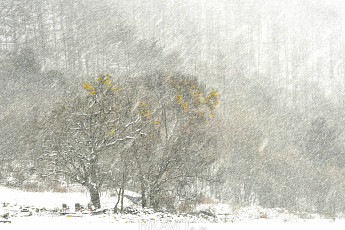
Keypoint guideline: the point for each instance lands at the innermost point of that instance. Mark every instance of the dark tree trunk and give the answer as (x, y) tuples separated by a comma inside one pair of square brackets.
[(143, 198), (122, 194), (95, 198), (118, 200)]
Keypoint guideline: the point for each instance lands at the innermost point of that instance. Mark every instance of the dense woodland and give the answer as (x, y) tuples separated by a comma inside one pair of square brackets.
[(184, 102)]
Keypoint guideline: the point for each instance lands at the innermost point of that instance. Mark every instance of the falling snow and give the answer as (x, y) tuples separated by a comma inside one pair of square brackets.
[(191, 111)]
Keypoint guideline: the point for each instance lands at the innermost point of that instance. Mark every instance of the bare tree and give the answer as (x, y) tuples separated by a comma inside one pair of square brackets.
[(84, 135)]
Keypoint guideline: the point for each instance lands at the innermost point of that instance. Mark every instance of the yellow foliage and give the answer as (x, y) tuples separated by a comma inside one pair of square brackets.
[(212, 99), (106, 82), (89, 88), (156, 123), (111, 132), (178, 98), (144, 110), (185, 106), (66, 107), (197, 97), (146, 113), (211, 115), (104, 79)]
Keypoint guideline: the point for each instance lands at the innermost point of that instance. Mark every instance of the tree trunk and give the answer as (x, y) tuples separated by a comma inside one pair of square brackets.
[(143, 197), (118, 200), (148, 197), (122, 194), (95, 198)]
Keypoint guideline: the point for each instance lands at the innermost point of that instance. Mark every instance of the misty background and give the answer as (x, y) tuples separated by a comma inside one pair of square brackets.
[(279, 68)]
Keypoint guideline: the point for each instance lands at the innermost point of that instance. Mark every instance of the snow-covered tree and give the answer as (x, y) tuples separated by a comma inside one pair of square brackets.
[(177, 148), (85, 136)]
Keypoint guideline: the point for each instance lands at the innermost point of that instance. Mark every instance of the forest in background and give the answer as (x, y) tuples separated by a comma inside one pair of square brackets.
[(278, 67)]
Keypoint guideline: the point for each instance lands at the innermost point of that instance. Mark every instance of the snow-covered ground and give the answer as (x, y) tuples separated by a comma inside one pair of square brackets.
[(54, 200), (205, 217)]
